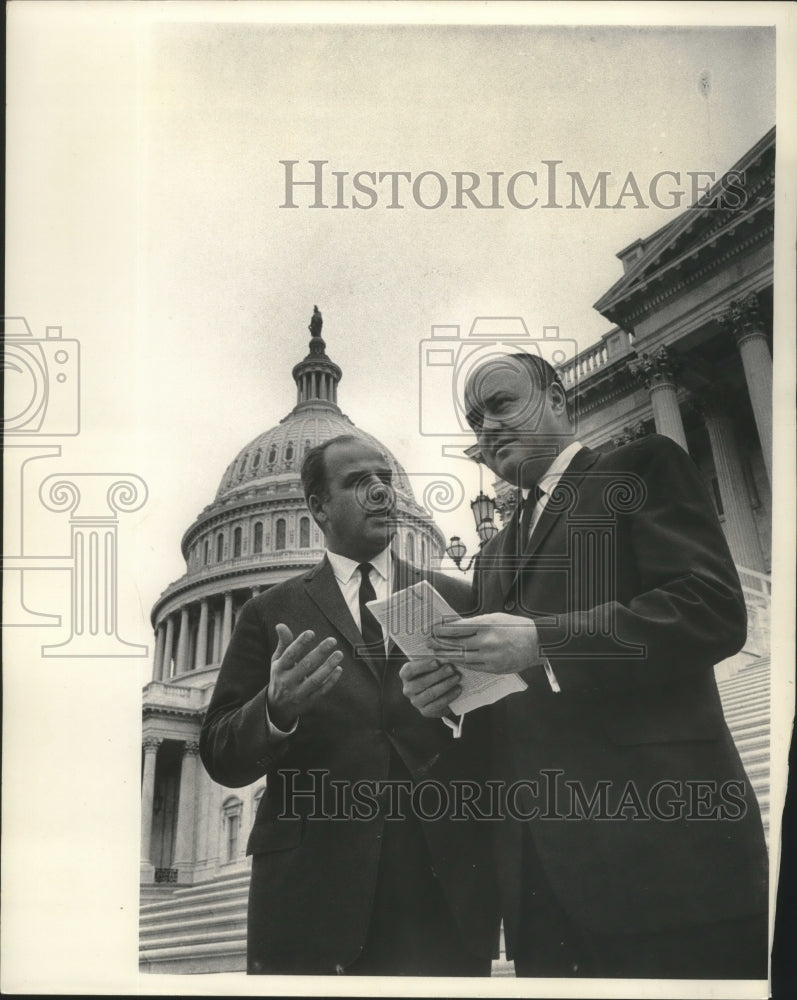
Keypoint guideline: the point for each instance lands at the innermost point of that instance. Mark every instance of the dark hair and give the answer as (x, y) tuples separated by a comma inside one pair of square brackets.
[(314, 467)]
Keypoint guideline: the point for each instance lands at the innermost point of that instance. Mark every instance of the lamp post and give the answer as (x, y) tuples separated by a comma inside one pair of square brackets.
[(483, 509)]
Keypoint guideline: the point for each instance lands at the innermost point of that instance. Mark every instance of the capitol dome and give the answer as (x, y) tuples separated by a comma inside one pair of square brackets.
[(258, 531), (255, 533), (277, 454)]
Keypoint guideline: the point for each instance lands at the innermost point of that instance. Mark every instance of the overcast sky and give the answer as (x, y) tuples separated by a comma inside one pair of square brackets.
[(229, 277), (161, 245), (144, 194)]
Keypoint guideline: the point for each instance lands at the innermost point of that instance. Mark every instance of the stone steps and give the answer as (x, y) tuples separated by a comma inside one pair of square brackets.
[(745, 700), (197, 929), (202, 928)]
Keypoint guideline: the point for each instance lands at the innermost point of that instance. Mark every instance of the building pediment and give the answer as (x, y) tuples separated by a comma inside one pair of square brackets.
[(736, 210)]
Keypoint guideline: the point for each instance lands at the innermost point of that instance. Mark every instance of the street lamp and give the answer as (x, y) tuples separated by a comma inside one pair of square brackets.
[(483, 509)]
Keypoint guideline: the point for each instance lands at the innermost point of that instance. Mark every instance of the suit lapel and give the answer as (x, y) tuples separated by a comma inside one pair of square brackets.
[(509, 552), (323, 589), (553, 511), (511, 556)]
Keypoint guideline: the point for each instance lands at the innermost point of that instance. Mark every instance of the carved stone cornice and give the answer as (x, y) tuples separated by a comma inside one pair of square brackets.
[(744, 319), (157, 711), (661, 367), (629, 433), (506, 503)]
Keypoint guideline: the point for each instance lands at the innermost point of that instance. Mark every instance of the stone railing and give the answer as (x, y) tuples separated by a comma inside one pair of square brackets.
[(159, 695), (613, 345)]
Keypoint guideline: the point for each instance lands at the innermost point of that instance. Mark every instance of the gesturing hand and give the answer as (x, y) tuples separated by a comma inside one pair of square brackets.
[(430, 687), (496, 643), (300, 673)]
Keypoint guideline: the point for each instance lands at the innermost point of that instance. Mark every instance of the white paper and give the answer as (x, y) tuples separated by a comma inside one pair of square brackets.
[(408, 617)]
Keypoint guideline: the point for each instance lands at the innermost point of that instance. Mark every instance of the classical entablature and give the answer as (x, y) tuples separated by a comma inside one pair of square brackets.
[(723, 243)]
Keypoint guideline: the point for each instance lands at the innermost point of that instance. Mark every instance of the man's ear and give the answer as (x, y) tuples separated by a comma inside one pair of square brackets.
[(316, 505), (558, 398)]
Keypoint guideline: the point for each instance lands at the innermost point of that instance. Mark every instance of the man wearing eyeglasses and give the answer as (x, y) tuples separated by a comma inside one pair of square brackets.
[(632, 844)]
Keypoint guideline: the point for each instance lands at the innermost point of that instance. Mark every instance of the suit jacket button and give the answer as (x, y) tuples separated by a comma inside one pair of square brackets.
[(510, 606)]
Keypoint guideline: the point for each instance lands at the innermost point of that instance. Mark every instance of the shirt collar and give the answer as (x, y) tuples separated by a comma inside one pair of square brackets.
[(557, 468), (344, 568)]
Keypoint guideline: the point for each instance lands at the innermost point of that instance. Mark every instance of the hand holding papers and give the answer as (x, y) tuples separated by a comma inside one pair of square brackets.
[(408, 617)]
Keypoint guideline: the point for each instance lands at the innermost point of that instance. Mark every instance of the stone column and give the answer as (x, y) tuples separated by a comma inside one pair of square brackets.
[(150, 745), (255, 591), (657, 372), (214, 823), (190, 659), (186, 815), (226, 628), (745, 322), (217, 635), (202, 637), (157, 666), (740, 526), (182, 643), (203, 802), (168, 649)]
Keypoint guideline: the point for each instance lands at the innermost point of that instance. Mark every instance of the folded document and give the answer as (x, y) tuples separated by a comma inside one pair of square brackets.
[(408, 617)]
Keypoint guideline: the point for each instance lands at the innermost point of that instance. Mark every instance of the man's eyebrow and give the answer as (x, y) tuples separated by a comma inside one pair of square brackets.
[(358, 475), (485, 402)]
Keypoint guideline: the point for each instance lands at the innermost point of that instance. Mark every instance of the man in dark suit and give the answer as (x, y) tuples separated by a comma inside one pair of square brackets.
[(351, 873), (633, 844)]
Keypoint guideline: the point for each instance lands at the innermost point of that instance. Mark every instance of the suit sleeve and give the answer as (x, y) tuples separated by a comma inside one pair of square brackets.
[(234, 742), (686, 610), (457, 593)]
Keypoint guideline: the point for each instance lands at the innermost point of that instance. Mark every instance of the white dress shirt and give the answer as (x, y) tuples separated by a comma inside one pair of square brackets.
[(348, 577), (547, 484)]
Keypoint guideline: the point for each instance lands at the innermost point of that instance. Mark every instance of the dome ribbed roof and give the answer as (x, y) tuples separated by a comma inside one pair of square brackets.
[(277, 454)]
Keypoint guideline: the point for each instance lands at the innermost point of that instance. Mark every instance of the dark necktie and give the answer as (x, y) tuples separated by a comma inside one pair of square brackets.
[(369, 627), (531, 501)]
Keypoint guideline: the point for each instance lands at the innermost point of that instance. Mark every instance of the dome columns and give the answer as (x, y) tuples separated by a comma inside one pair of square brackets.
[(201, 658), (168, 649), (316, 376), (226, 625), (157, 668), (182, 642)]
